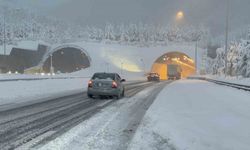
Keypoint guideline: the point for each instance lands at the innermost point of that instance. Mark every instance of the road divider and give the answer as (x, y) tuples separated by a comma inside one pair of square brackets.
[(233, 85)]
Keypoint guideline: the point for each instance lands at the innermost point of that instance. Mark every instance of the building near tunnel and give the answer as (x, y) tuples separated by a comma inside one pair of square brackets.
[(20, 59), (185, 62)]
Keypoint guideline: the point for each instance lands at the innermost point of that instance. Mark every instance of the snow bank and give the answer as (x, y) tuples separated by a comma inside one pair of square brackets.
[(17, 92), (196, 115)]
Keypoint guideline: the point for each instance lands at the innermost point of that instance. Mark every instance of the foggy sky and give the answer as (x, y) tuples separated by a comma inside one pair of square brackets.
[(210, 13)]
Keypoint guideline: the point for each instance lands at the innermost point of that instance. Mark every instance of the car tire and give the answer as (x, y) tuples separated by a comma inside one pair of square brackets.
[(123, 93), (117, 97), (90, 96)]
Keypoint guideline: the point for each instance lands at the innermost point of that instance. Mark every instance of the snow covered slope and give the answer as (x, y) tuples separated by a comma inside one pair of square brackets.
[(196, 115)]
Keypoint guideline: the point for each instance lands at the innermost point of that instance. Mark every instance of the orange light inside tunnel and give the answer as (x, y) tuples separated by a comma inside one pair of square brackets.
[(187, 64)]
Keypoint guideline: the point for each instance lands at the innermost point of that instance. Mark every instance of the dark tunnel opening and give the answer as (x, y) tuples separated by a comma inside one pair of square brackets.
[(67, 60)]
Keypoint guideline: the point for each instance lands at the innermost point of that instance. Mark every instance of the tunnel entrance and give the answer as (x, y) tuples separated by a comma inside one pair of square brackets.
[(67, 60), (185, 62)]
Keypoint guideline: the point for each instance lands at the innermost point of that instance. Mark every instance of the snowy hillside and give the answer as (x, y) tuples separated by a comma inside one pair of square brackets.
[(23, 24)]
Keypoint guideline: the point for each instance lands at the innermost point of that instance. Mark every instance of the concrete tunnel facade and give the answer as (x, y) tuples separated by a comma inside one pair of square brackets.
[(95, 56)]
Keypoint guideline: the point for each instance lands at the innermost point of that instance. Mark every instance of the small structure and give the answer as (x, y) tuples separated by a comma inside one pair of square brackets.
[(20, 59)]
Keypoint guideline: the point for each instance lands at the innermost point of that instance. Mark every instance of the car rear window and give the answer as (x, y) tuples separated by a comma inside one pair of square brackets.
[(103, 76), (153, 74)]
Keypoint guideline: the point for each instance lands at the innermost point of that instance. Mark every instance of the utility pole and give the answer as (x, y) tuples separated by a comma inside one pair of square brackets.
[(196, 57), (4, 31), (226, 37), (144, 68)]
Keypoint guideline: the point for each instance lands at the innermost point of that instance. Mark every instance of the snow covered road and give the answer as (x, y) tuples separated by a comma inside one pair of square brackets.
[(43, 121), (196, 115), (185, 115), (112, 128)]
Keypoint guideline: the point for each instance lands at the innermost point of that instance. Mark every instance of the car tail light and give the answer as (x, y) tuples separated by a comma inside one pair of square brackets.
[(90, 83), (114, 84)]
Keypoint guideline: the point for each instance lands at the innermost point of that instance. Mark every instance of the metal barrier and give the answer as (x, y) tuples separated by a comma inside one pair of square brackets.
[(233, 85)]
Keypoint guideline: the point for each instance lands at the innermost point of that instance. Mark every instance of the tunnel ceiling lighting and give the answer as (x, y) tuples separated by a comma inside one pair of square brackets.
[(174, 59), (185, 58), (180, 62)]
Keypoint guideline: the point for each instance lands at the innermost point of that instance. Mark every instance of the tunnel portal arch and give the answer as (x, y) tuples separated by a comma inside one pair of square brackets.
[(186, 63), (66, 59)]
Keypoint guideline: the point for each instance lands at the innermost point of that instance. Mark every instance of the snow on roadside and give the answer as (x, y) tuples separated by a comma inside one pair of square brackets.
[(14, 76), (24, 91), (196, 115)]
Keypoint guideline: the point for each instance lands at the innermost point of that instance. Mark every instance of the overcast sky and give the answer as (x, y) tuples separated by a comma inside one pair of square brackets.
[(210, 13)]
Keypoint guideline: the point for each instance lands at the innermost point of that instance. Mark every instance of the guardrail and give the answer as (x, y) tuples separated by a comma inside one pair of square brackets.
[(233, 85), (45, 78)]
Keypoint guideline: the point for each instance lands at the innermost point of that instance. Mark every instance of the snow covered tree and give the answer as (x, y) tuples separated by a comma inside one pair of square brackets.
[(24, 24), (245, 62), (232, 57), (109, 32)]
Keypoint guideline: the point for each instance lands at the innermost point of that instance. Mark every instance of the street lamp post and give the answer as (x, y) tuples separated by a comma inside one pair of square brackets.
[(51, 64), (179, 18), (179, 15), (196, 56), (121, 68), (226, 36), (107, 66)]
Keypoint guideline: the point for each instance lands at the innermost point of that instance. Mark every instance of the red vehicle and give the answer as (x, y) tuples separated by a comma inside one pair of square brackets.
[(153, 76)]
